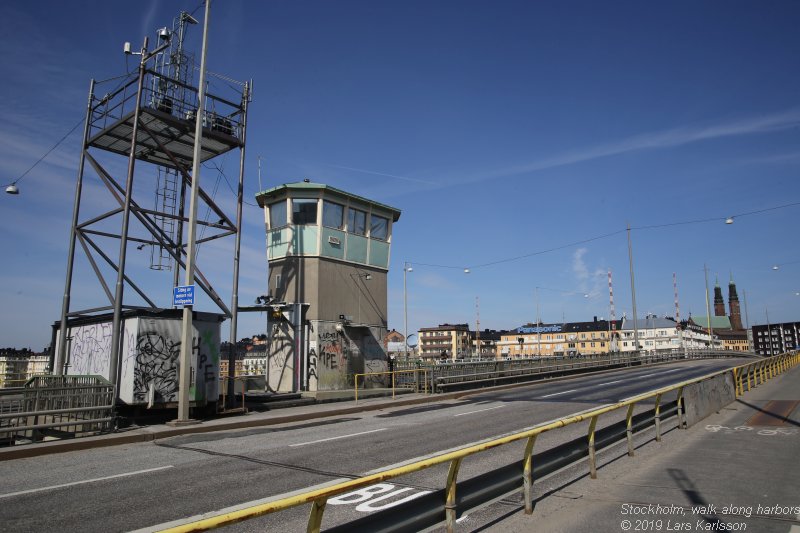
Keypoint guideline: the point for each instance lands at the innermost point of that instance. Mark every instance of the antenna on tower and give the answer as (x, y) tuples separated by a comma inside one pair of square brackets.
[(174, 72)]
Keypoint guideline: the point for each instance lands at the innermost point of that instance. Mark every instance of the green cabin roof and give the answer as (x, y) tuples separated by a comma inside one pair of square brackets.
[(263, 197)]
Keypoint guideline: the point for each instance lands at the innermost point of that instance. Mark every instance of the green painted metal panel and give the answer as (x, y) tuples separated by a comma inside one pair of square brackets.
[(305, 239), (356, 248), (330, 248), (278, 243), (379, 253)]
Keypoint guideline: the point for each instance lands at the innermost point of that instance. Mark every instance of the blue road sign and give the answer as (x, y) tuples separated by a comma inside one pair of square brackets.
[(183, 295)]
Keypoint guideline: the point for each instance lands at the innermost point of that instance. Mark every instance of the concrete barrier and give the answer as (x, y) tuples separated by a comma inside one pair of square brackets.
[(708, 396)]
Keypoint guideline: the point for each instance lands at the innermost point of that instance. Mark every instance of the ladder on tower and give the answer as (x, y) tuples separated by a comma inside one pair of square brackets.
[(166, 206)]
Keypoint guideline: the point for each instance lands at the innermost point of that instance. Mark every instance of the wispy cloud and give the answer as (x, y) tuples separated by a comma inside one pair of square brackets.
[(589, 281), (394, 176), (658, 140), (655, 140), (148, 21), (790, 157), (579, 266)]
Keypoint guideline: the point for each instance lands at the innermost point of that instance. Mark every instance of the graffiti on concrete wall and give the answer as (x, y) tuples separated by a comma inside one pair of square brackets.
[(332, 366), (149, 358), (312, 366), (157, 362), (332, 358), (280, 366), (375, 368), (90, 349), (157, 366), (331, 354)]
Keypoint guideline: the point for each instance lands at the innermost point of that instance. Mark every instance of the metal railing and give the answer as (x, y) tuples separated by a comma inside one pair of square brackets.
[(756, 373), (220, 114), (493, 371), (222, 405), (399, 380), (56, 406)]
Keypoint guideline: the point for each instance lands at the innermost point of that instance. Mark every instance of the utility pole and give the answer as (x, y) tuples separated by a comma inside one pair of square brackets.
[(538, 326), (187, 329), (633, 292)]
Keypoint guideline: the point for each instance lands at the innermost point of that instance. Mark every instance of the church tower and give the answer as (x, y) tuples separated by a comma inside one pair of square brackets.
[(719, 303), (733, 301)]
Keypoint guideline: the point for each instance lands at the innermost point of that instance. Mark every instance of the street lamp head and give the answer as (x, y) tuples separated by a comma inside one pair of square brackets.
[(466, 271), (775, 267), (12, 189), (729, 220)]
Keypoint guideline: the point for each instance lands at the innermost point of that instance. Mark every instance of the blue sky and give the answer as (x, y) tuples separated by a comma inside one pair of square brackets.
[(500, 129)]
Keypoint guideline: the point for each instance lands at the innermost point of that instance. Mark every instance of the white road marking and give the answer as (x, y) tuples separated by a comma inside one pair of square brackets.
[(558, 393), (658, 373), (30, 491), (611, 382), (479, 411), (337, 438)]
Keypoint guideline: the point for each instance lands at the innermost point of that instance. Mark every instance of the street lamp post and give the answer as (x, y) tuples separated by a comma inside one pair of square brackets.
[(538, 326), (406, 269), (633, 293)]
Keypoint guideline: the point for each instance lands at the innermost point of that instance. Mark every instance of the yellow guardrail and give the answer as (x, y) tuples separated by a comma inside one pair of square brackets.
[(394, 378), (757, 372)]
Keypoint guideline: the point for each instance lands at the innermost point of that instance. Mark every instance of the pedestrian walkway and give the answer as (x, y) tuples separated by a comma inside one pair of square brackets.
[(737, 470)]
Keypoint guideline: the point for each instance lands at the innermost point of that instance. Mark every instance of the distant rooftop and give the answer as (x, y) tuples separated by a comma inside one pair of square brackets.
[(650, 322), (717, 322)]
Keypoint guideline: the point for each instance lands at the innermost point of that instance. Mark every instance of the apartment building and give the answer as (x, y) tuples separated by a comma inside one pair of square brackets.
[(17, 366), (571, 338), (775, 339), (446, 341), (484, 343), (654, 333)]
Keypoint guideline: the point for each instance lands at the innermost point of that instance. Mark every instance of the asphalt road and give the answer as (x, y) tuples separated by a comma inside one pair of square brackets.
[(136, 486)]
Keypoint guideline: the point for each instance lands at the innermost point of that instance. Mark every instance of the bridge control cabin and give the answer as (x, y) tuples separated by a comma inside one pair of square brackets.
[(328, 253)]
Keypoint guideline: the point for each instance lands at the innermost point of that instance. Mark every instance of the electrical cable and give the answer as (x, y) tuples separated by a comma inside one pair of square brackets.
[(227, 182), (584, 241), (62, 139)]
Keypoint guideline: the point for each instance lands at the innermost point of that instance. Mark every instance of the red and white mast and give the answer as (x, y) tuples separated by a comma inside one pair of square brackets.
[(612, 341), (677, 308)]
